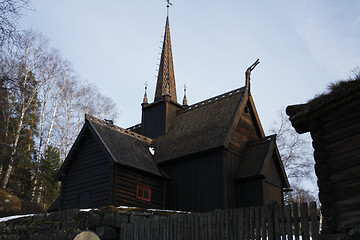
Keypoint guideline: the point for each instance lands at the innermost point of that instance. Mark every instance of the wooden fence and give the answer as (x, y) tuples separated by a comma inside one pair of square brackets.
[(271, 222)]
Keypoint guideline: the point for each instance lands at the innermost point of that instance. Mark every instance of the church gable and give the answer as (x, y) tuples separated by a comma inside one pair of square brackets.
[(246, 128), (86, 182)]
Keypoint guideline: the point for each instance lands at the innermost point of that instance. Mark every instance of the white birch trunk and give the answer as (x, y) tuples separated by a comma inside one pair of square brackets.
[(13, 152), (25, 104)]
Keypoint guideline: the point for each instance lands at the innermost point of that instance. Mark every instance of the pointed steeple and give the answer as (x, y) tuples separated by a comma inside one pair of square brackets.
[(145, 100), (166, 76), (185, 98)]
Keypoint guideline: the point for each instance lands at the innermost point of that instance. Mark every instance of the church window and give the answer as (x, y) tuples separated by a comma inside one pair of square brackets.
[(143, 192)]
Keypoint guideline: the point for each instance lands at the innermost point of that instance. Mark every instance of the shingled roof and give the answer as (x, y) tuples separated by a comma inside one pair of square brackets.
[(123, 146), (257, 154), (203, 126)]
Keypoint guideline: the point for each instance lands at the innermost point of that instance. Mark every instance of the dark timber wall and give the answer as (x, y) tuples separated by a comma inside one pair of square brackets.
[(126, 180), (336, 141), (196, 183), (231, 166), (333, 122), (87, 182), (157, 117)]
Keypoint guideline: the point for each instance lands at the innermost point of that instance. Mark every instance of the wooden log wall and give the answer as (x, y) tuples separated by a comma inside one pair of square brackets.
[(323, 174), (271, 222), (336, 142)]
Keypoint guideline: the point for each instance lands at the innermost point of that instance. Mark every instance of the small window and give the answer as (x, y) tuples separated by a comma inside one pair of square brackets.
[(143, 192)]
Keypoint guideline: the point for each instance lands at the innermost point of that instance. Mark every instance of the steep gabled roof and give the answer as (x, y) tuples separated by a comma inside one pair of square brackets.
[(203, 126), (122, 146), (258, 155)]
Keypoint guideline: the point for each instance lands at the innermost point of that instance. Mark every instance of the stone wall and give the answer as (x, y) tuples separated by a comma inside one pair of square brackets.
[(104, 222)]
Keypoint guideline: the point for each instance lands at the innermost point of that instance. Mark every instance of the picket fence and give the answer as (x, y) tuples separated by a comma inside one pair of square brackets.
[(271, 222)]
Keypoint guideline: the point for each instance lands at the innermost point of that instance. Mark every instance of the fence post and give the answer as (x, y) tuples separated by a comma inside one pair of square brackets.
[(257, 222), (270, 220), (263, 222), (304, 221), (296, 221), (288, 222), (247, 223), (252, 221), (282, 216), (314, 221), (276, 221), (241, 223)]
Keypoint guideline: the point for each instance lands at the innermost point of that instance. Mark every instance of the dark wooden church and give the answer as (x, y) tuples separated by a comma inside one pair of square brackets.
[(206, 156)]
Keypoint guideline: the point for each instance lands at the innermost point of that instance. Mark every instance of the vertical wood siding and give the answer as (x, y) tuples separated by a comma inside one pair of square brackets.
[(126, 180), (231, 163), (249, 192), (272, 193), (89, 171), (237, 194), (196, 183)]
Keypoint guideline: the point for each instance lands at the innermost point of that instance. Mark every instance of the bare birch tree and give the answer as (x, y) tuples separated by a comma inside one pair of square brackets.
[(23, 67), (80, 99), (10, 13), (295, 149)]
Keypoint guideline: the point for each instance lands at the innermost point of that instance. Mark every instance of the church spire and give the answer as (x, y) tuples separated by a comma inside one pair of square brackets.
[(166, 76), (185, 98), (145, 100)]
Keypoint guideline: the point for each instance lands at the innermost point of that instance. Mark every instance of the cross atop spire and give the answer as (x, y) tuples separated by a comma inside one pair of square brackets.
[(168, 5), (166, 76)]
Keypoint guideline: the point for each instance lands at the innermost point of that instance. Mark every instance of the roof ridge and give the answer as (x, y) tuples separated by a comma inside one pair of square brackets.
[(117, 128), (214, 99)]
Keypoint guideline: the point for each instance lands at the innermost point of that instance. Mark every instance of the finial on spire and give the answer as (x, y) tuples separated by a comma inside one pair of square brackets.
[(185, 98), (145, 100), (168, 6), (248, 73)]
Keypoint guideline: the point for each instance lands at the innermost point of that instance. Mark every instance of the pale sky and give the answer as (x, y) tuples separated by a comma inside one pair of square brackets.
[(302, 45)]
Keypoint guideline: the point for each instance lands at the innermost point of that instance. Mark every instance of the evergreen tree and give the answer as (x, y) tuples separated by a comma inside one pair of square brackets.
[(49, 167), (21, 181)]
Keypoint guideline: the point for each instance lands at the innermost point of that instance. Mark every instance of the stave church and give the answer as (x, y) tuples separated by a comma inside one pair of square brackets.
[(209, 155)]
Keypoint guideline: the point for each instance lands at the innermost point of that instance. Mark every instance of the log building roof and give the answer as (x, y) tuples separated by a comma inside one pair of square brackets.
[(340, 93)]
